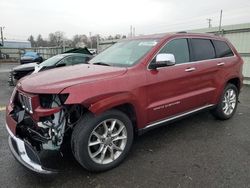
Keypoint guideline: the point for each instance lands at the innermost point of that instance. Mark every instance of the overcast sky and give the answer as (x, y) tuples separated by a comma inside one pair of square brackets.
[(22, 18)]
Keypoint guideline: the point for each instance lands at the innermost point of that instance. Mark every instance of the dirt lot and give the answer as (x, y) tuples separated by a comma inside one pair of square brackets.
[(198, 151)]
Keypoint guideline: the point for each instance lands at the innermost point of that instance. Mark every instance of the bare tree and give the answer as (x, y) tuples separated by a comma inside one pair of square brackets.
[(59, 37), (117, 36), (40, 42), (94, 40), (110, 37), (68, 42), (52, 39), (80, 40), (32, 40), (56, 39)]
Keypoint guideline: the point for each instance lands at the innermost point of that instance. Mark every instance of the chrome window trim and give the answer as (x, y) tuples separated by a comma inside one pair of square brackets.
[(191, 62)]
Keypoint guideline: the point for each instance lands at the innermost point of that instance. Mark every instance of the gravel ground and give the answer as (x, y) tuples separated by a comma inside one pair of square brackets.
[(198, 151)]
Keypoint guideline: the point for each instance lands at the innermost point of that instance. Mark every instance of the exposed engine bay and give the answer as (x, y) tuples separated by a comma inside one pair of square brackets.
[(48, 132)]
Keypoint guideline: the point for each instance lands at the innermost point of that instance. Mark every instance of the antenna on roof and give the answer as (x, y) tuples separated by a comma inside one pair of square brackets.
[(181, 32)]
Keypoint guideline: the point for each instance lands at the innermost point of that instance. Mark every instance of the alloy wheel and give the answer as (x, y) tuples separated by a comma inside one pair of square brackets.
[(229, 102), (107, 141)]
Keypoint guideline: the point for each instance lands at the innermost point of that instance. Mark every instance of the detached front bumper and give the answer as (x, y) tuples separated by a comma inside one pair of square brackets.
[(26, 155)]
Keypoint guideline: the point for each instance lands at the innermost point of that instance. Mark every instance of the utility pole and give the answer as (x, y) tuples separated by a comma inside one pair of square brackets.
[(1, 28), (220, 22), (97, 44), (131, 28), (209, 22), (133, 31), (90, 39), (63, 44)]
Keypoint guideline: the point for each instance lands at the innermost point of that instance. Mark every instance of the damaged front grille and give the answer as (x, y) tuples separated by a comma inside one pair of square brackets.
[(44, 132), (25, 102)]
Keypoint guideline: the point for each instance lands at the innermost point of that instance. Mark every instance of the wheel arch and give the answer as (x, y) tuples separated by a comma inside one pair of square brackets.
[(125, 102), (235, 81), (129, 110)]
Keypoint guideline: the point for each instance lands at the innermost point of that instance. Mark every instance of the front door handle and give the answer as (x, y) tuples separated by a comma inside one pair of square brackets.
[(190, 69), (220, 64)]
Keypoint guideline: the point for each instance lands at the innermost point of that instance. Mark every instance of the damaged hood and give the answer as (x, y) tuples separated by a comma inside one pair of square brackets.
[(25, 67), (55, 80)]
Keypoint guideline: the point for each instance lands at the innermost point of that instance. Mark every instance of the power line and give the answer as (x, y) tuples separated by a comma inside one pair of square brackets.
[(195, 21)]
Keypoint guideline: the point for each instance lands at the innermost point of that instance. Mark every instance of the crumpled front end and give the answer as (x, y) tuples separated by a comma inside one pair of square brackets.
[(26, 155), (36, 125)]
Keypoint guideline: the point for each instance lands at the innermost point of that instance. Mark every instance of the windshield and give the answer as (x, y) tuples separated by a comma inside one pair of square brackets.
[(30, 54), (124, 53), (51, 61)]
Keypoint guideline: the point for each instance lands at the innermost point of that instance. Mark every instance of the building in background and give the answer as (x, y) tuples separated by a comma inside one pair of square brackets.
[(16, 44), (239, 36)]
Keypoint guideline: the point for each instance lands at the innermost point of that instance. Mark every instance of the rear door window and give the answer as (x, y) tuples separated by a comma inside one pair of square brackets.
[(179, 48), (222, 49), (202, 49)]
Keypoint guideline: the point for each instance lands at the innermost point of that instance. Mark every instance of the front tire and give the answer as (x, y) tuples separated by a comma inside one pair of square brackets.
[(102, 142), (227, 105)]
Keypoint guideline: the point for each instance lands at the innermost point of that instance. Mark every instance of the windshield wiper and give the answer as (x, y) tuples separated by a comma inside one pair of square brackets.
[(101, 63), (45, 68)]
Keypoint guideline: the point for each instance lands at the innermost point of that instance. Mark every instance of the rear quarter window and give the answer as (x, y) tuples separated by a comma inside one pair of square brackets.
[(202, 49), (222, 49)]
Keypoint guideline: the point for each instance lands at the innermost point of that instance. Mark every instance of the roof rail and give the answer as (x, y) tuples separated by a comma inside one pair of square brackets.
[(181, 32)]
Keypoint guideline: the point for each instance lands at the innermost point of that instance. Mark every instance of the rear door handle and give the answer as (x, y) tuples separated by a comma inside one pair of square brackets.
[(190, 69), (220, 64)]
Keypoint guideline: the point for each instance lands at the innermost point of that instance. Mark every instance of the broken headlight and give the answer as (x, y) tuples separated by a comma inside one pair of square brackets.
[(52, 100), (53, 125)]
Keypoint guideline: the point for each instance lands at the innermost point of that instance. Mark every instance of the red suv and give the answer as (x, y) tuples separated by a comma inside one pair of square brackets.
[(133, 86)]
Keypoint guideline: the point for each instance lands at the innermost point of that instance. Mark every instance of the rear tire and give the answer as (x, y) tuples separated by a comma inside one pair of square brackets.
[(227, 105), (102, 142)]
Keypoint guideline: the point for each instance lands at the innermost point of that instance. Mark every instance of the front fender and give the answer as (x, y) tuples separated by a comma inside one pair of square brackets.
[(112, 101), (101, 103), (117, 100)]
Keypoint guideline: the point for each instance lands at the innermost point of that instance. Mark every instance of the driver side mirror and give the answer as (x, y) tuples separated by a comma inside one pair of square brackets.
[(163, 60)]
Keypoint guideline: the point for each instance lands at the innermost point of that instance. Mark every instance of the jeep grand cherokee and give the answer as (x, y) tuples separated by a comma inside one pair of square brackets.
[(133, 86)]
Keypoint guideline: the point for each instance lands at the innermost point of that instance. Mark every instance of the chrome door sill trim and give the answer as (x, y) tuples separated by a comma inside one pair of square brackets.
[(176, 117)]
